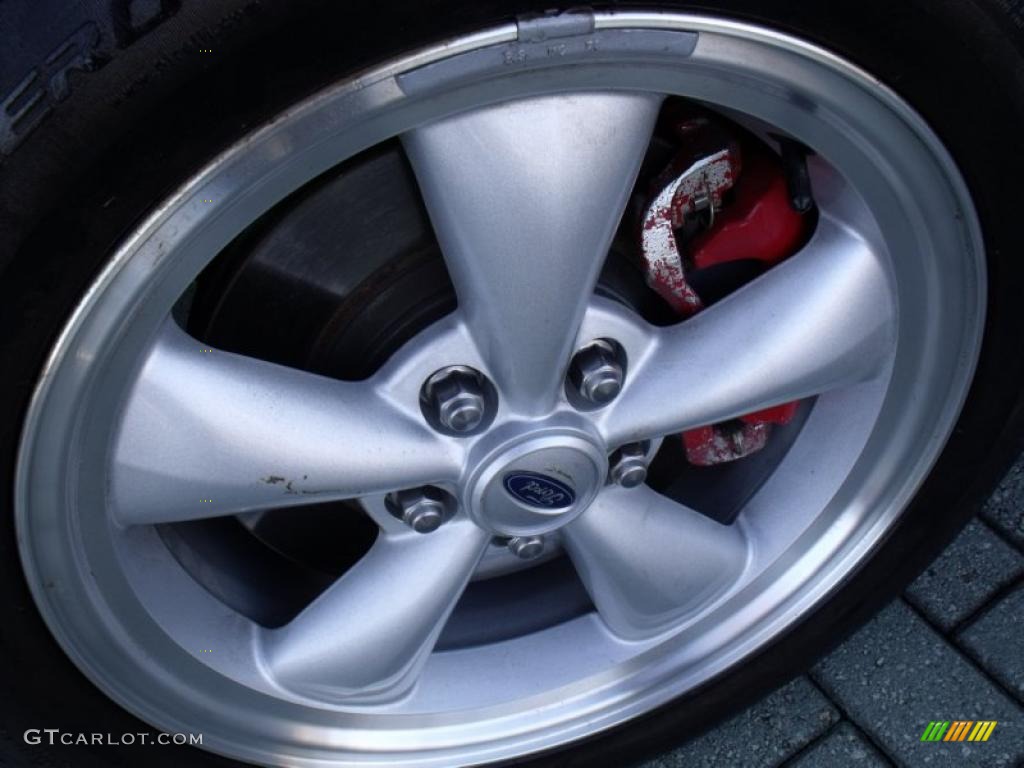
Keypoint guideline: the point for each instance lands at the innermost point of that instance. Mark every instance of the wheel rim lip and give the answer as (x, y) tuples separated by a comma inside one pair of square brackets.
[(852, 550)]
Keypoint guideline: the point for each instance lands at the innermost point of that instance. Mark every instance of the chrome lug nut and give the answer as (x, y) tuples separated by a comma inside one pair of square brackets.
[(596, 373), (629, 465), (526, 547), (456, 396), (422, 509)]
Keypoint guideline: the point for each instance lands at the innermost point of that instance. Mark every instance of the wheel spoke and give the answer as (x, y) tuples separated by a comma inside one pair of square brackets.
[(525, 198), (823, 319), (366, 638), (209, 433), (647, 561)]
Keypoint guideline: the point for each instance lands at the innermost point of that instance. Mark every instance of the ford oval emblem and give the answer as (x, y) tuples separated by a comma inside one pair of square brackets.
[(539, 490)]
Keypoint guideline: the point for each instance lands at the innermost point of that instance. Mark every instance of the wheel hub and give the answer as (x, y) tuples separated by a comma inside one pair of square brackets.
[(535, 481)]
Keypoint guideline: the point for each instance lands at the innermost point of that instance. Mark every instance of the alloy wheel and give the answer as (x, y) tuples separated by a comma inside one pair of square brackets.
[(520, 425)]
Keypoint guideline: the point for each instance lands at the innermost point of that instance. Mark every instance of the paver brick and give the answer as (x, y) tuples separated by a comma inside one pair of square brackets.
[(1005, 507), (897, 674), (996, 640), (960, 581), (844, 747)]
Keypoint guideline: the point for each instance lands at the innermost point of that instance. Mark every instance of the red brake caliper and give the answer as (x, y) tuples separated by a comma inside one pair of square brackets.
[(759, 223)]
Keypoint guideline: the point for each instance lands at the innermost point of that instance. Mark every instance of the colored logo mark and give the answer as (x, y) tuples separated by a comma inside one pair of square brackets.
[(958, 730), (539, 490)]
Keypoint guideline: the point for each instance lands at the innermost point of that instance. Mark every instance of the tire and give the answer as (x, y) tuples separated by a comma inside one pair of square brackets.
[(137, 110)]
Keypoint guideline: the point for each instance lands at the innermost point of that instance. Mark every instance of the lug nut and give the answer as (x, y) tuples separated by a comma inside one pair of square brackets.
[(629, 465), (456, 396), (597, 373), (422, 509), (526, 547)]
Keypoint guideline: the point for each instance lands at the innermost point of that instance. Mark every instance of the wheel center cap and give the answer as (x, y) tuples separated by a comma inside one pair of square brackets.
[(536, 482)]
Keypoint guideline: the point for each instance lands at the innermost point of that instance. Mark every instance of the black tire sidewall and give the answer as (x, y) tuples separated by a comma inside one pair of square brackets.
[(148, 109)]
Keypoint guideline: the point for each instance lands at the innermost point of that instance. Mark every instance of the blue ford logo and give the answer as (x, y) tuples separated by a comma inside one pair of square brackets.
[(539, 490)]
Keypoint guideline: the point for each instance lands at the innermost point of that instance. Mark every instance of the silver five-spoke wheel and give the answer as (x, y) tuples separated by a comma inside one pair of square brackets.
[(519, 430)]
